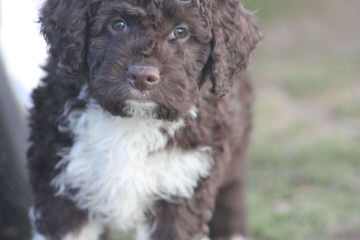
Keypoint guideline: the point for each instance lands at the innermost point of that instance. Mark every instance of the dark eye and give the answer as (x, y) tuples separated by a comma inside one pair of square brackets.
[(180, 32), (119, 25)]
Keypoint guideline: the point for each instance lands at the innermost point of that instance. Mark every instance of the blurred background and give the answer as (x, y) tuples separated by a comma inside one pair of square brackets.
[(22, 50), (304, 173)]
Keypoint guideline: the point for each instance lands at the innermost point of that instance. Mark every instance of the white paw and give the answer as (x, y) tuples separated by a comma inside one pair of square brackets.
[(238, 237), (235, 237)]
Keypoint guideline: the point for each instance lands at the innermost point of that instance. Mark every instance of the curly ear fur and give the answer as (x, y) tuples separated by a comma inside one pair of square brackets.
[(235, 35), (64, 26)]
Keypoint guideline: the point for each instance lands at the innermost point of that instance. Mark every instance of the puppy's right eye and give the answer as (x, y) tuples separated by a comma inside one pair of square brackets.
[(119, 25)]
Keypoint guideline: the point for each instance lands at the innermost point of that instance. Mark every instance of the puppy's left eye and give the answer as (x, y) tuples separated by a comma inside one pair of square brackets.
[(180, 32), (119, 25)]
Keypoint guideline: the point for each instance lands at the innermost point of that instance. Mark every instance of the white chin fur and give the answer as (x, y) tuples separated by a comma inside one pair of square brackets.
[(140, 109)]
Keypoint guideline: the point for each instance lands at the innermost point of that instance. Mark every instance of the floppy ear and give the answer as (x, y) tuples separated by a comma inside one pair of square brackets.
[(235, 35), (64, 26)]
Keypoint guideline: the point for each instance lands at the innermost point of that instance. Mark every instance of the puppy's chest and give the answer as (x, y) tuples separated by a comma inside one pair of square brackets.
[(119, 167)]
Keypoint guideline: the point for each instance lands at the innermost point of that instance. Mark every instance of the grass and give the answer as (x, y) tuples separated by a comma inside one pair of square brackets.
[(278, 9), (304, 187)]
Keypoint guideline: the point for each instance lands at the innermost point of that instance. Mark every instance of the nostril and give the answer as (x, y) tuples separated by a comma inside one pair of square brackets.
[(152, 79), (132, 77)]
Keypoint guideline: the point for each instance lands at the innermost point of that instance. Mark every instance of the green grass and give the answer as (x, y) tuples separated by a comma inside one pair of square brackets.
[(303, 187), (349, 108), (303, 179), (123, 236), (314, 75), (278, 9)]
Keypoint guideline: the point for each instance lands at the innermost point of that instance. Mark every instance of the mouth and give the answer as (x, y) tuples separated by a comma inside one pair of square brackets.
[(139, 96), (140, 108)]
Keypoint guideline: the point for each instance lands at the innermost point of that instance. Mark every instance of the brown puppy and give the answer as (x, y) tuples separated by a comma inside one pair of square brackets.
[(131, 127)]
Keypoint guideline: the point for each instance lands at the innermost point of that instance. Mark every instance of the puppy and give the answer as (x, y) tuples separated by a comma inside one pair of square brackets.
[(131, 127)]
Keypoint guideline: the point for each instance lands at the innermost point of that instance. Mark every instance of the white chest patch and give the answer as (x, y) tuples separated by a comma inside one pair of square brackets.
[(119, 166)]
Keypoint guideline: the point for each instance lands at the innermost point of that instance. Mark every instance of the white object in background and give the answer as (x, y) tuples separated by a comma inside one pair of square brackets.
[(23, 48)]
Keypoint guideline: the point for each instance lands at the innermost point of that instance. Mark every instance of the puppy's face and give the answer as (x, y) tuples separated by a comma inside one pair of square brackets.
[(148, 54)]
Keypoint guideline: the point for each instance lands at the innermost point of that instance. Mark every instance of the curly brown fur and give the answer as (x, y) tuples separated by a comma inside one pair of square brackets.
[(196, 72)]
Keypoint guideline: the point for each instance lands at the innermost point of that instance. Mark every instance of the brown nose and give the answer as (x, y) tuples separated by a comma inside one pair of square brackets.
[(143, 77)]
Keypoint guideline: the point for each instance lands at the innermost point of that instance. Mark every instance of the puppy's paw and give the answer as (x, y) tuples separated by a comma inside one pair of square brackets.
[(235, 237), (238, 237)]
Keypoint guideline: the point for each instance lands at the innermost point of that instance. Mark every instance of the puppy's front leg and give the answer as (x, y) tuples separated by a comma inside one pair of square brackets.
[(59, 219), (181, 219)]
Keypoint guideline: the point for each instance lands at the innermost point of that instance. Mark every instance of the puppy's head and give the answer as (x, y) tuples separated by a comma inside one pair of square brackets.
[(153, 54)]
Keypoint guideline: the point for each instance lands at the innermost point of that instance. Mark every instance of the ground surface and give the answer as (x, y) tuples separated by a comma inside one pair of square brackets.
[(304, 175)]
